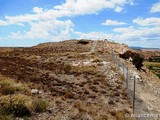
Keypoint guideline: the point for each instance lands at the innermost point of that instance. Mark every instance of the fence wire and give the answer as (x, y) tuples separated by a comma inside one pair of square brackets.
[(130, 78)]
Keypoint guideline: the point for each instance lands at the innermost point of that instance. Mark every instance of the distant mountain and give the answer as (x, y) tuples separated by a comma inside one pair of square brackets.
[(135, 47), (141, 48)]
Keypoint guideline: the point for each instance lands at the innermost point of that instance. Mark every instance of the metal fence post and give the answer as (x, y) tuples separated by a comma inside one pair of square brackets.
[(123, 67), (127, 78), (117, 60), (134, 94), (113, 54)]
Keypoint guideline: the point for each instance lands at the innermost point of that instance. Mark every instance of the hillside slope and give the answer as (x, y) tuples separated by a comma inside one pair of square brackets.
[(78, 84)]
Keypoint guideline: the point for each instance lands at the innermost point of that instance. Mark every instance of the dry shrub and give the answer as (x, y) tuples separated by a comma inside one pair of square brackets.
[(79, 105), (100, 51), (7, 117), (111, 102), (71, 56), (67, 68), (99, 64), (105, 117), (120, 115), (8, 86), (100, 75), (82, 56), (91, 109), (97, 60), (113, 68), (40, 105), (69, 94), (6, 82), (18, 105), (112, 112), (92, 53), (95, 82), (83, 42), (122, 77)]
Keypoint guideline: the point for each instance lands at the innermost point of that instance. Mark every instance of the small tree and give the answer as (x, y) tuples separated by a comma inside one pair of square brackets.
[(127, 54), (150, 59), (138, 61)]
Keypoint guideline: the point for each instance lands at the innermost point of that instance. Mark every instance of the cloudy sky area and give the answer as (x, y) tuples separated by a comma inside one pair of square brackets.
[(30, 22)]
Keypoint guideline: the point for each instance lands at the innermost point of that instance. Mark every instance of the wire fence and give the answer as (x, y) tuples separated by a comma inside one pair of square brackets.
[(129, 76)]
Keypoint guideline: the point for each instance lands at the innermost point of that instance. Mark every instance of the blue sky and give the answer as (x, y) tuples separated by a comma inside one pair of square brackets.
[(30, 22)]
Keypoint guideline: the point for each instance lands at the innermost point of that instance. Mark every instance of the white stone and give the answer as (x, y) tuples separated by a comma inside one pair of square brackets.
[(34, 91)]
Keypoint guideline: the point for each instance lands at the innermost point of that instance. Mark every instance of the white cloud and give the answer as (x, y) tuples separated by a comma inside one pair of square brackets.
[(37, 10), (152, 21), (155, 8), (145, 37), (112, 22), (94, 35), (3, 23), (118, 9), (51, 30), (69, 8), (92, 6), (38, 15), (139, 33), (45, 24)]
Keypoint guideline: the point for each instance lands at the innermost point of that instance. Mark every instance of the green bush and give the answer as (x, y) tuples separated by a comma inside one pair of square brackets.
[(83, 42), (40, 105), (158, 75), (138, 61), (18, 105)]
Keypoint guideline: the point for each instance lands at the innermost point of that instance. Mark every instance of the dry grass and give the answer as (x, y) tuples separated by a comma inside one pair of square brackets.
[(16, 100), (122, 77), (84, 70), (91, 110), (40, 105), (120, 115), (21, 105), (8, 86), (6, 82), (97, 60), (113, 68), (18, 105), (78, 92), (7, 117), (69, 94), (156, 64)]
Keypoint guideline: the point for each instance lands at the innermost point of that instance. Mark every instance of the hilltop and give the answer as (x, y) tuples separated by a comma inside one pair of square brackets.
[(77, 78)]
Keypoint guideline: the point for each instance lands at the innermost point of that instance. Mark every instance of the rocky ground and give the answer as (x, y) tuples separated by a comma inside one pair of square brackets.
[(77, 83)]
